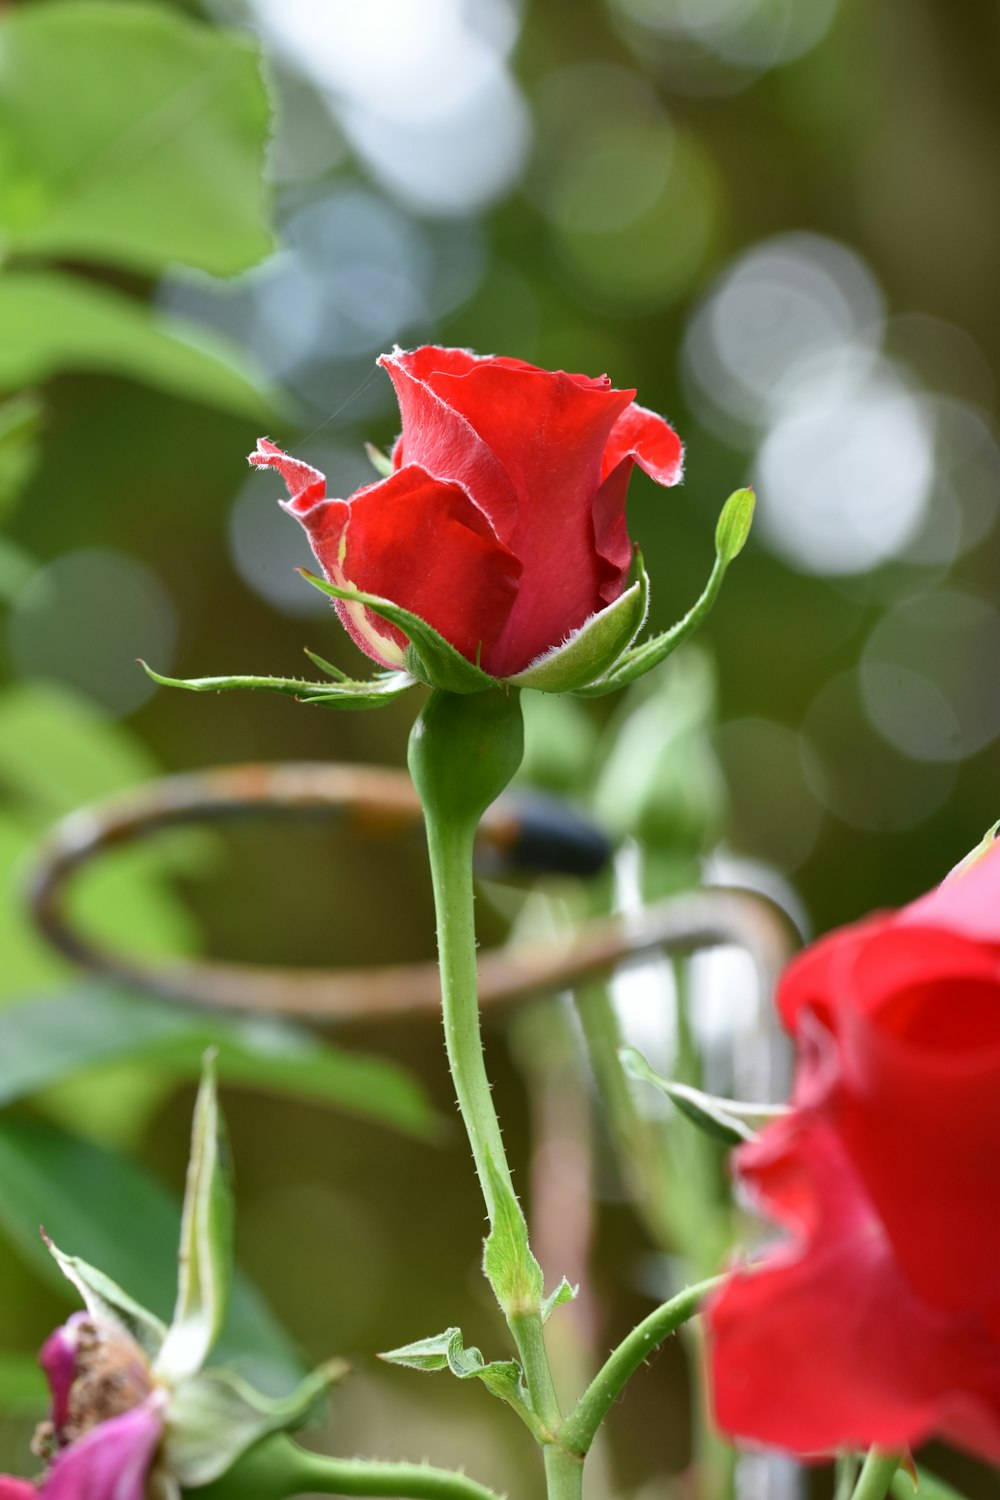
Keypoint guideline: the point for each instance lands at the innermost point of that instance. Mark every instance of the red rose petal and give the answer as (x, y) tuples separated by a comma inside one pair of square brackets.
[(649, 441), (442, 441), (306, 485), (556, 475), (824, 1345), (426, 546)]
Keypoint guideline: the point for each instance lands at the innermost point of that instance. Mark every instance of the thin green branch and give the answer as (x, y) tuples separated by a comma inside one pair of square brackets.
[(278, 1468), (578, 1431)]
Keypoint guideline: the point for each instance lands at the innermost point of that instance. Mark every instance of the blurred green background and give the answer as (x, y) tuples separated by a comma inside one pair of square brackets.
[(779, 220)]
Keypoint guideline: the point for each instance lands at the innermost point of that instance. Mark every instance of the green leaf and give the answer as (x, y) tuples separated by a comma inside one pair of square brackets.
[(50, 322), (107, 1209), (429, 656), (348, 693), (205, 1261), (733, 527), (730, 536), (447, 1351), (214, 1418), (727, 1120), (424, 1354), (43, 1042), (22, 1385), (563, 1293), (106, 1302), (161, 162), (594, 648), (20, 424)]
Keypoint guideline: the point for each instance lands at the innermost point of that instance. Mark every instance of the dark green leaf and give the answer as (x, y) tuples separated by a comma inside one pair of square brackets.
[(160, 162), (20, 422), (51, 322)]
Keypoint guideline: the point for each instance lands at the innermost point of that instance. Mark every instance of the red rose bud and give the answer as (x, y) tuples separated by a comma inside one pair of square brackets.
[(502, 524), (879, 1320)]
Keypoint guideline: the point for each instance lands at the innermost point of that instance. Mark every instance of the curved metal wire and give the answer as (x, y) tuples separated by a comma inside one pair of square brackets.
[(381, 800)]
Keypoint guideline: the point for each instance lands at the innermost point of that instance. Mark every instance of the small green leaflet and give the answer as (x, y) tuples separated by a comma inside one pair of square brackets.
[(447, 1351)]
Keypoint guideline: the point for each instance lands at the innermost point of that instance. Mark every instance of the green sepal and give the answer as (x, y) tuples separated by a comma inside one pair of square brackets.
[(106, 1302), (592, 650), (327, 666), (215, 1417), (727, 1120), (563, 1293), (447, 1351), (428, 656), (380, 462), (346, 692), (508, 1264), (205, 1259), (730, 537)]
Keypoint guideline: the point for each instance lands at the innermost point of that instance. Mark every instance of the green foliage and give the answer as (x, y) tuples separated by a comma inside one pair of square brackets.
[(133, 135), (20, 423), (563, 1293), (105, 1208), (50, 321), (511, 1269), (44, 1042)]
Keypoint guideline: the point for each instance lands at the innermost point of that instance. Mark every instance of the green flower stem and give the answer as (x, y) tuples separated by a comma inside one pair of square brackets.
[(580, 1427), (463, 752), (563, 1473), (929, 1487), (876, 1475), (278, 1468)]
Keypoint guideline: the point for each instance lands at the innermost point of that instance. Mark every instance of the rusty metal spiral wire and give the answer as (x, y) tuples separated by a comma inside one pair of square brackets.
[(515, 832)]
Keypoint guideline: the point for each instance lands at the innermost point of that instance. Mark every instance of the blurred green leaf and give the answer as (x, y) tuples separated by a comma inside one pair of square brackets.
[(22, 1384), (131, 134), (205, 1261), (44, 1042), (50, 322), (107, 1209), (57, 752), (20, 422)]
